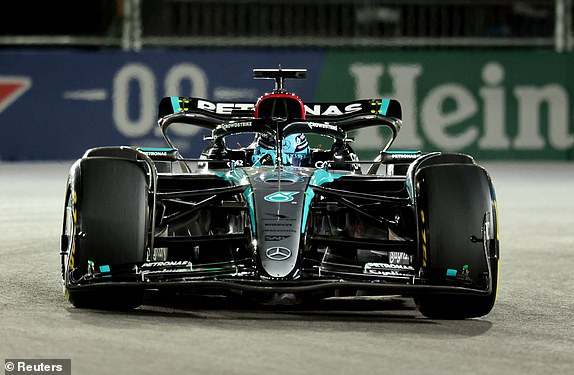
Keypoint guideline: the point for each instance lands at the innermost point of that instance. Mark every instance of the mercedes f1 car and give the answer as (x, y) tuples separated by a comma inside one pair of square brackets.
[(293, 211)]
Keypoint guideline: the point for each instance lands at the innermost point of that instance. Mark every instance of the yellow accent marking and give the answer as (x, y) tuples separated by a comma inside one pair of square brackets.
[(423, 238), (72, 255)]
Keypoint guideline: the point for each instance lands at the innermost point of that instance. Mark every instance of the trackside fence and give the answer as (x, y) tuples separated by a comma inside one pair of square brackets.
[(422, 24)]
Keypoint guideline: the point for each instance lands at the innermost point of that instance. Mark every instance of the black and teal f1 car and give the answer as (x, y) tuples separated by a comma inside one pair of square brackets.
[(278, 203)]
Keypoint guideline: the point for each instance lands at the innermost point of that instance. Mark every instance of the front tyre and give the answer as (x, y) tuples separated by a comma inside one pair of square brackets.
[(105, 227), (458, 237)]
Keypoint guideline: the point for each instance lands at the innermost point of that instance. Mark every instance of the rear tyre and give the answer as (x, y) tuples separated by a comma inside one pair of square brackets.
[(458, 239), (105, 225)]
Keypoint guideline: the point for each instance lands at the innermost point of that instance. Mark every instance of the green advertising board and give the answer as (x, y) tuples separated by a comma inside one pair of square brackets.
[(490, 104)]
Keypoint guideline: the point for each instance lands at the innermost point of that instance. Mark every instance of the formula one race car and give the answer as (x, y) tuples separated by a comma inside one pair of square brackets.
[(294, 211)]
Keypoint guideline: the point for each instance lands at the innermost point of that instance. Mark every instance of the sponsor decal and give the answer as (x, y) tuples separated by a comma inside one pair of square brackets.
[(316, 125), (155, 153), (159, 254), (386, 273), (405, 156), (281, 196), (223, 108), (275, 237), (383, 268), (278, 253), (389, 270), (172, 263), (396, 257), (332, 109), (234, 125), (166, 270)]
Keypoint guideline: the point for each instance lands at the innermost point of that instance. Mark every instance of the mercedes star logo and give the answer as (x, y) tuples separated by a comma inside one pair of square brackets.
[(278, 253)]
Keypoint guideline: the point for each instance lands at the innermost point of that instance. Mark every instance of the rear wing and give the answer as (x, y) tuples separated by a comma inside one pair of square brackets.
[(348, 116)]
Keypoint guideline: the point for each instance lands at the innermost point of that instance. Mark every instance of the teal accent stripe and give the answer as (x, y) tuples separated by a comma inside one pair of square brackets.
[(105, 268), (175, 104), (309, 195), (248, 193), (318, 178), (239, 177), (321, 176), (384, 106), (451, 273)]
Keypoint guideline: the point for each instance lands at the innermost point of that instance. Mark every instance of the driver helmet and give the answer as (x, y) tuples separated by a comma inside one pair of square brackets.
[(295, 150)]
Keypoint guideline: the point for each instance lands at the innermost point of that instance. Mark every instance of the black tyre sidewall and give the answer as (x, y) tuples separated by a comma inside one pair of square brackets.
[(111, 226), (451, 204)]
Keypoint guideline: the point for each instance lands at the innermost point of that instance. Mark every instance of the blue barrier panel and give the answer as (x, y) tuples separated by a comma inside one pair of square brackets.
[(56, 104)]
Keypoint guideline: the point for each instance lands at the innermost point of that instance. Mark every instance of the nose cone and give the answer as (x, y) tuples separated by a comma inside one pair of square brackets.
[(279, 199)]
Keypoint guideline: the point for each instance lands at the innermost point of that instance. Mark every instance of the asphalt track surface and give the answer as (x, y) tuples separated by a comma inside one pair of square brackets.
[(529, 331)]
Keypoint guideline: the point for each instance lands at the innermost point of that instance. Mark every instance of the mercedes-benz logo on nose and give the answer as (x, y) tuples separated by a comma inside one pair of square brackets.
[(278, 253)]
